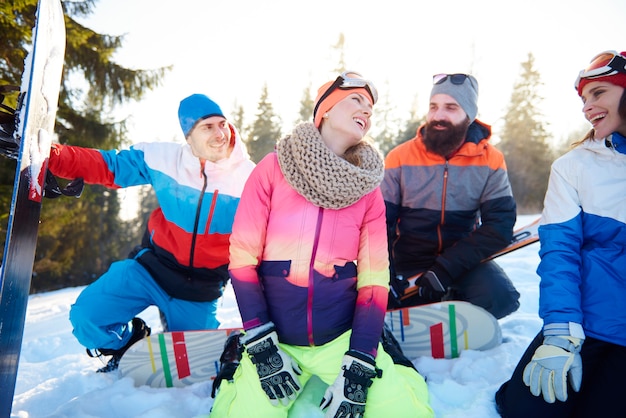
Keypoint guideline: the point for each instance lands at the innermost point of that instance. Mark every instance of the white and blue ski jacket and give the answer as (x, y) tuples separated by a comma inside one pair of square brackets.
[(583, 240)]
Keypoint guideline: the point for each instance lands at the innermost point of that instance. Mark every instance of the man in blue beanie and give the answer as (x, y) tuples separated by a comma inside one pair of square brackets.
[(449, 205), (182, 264)]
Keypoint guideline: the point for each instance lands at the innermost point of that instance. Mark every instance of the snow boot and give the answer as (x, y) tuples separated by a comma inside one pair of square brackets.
[(140, 331), (163, 319)]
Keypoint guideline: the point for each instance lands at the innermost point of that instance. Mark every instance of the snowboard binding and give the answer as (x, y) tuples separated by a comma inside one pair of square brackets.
[(10, 147), (9, 143)]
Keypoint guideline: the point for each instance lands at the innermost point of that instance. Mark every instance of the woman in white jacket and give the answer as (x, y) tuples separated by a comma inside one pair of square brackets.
[(575, 366)]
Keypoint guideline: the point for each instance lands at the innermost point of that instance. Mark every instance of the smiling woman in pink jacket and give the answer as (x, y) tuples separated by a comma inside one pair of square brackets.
[(309, 265)]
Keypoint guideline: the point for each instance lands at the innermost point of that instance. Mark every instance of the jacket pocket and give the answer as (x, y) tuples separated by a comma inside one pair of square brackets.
[(345, 272), (280, 268)]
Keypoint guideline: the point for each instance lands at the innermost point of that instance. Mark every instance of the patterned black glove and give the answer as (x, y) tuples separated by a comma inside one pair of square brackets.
[(348, 395), (277, 371)]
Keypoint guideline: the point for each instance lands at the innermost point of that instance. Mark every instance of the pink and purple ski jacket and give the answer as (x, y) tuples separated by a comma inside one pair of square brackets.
[(314, 272)]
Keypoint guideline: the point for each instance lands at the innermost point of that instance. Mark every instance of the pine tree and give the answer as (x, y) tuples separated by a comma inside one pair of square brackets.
[(238, 119), (306, 106), (411, 125), (570, 139), (265, 131), (92, 85), (339, 47), (385, 125), (525, 141)]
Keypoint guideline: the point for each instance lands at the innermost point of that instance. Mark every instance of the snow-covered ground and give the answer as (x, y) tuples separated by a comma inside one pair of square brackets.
[(57, 379)]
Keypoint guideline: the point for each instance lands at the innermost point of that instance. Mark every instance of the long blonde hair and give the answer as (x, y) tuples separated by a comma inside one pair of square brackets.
[(589, 135)]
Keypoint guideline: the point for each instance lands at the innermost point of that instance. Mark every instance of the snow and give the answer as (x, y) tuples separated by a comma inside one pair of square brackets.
[(57, 379)]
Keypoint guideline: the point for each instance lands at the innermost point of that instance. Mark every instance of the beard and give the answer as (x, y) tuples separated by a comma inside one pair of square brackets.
[(444, 142)]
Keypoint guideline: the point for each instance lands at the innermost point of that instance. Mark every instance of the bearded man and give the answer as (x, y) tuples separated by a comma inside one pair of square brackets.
[(449, 205)]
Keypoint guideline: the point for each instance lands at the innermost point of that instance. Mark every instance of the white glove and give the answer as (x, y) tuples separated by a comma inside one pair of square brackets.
[(346, 397), (278, 372), (553, 364)]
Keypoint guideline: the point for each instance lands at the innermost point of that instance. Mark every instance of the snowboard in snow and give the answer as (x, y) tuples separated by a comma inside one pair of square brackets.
[(175, 359), (35, 123), (522, 237), (183, 358), (443, 329)]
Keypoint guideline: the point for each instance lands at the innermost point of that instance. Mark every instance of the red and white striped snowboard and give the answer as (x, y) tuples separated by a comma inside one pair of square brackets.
[(175, 359)]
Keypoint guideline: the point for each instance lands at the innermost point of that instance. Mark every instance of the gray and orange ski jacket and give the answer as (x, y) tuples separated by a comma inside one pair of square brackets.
[(447, 214)]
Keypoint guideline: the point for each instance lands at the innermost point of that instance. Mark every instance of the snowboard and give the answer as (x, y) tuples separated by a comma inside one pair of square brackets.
[(443, 329), (522, 237), (36, 114), (175, 359), (439, 330), (526, 235), (182, 358)]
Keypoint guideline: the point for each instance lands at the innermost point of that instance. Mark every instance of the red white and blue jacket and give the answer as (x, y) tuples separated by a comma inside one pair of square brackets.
[(187, 236)]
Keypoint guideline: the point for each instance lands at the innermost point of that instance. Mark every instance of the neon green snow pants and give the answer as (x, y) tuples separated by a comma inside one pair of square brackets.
[(400, 392)]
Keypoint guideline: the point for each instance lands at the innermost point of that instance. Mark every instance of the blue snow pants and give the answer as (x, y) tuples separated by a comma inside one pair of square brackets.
[(102, 312)]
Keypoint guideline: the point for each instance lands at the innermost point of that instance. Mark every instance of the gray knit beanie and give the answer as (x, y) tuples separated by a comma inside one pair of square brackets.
[(466, 93)]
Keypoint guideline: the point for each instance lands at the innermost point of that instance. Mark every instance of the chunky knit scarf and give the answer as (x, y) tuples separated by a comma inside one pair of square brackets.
[(321, 176)]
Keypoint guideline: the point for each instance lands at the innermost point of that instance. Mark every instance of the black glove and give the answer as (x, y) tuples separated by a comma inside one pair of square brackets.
[(52, 189), (431, 288), (397, 285), (229, 361), (348, 395), (278, 372)]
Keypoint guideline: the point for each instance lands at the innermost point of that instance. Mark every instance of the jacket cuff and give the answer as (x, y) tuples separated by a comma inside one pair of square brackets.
[(257, 332), (572, 329)]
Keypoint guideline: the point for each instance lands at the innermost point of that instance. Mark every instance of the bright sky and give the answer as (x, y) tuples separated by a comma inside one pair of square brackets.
[(229, 49)]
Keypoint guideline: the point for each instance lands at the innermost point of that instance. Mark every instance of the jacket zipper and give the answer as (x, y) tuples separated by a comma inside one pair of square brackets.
[(192, 250), (442, 219), (309, 307)]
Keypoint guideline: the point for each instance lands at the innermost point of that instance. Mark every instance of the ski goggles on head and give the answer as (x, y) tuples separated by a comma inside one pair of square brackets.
[(603, 64), (346, 81)]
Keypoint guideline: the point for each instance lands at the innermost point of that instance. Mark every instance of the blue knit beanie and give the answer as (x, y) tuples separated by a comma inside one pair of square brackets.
[(194, 108), (466, 94)]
